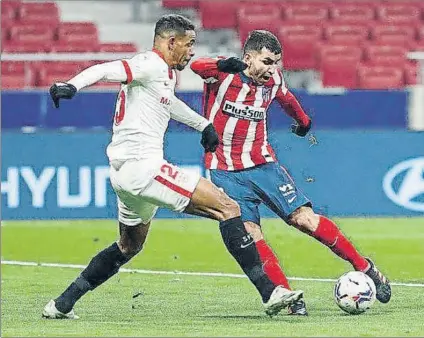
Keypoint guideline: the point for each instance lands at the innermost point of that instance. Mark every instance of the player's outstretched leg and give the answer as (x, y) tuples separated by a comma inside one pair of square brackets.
[(102, 266), (327, 232), (272, 266), (208, 200)]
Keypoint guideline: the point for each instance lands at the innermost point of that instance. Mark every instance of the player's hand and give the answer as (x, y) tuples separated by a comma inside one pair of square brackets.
[(210, 138), (301, 130), (231, 65), (62, 90)]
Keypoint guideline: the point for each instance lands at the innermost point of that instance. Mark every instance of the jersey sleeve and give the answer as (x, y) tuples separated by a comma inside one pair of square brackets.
[(290, 104), (108, 71), (207, 69)]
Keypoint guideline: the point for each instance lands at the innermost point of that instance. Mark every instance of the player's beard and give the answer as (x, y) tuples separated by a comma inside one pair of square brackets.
[(180, 67)]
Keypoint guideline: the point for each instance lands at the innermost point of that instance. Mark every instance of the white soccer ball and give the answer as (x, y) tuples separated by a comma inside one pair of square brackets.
[(354, 292)]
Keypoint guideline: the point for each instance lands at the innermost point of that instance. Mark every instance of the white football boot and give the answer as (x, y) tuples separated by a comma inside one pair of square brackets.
[(280, 299), (51, 312)]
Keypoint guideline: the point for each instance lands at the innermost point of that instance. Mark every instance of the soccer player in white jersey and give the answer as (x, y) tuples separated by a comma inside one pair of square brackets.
[(143, 180)]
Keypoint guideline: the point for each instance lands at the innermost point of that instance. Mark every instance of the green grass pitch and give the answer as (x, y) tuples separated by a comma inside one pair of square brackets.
[(182, 305)]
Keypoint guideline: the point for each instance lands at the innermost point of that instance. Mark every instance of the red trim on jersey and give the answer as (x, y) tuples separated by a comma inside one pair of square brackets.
[(239, 139), (127, 71), (221, 119), (173, 186), (154, 50), (271, 152), (240, 134), (256, 152)]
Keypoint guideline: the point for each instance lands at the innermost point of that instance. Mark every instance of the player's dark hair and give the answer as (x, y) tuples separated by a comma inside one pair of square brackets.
[(173, 23), (259, 39)]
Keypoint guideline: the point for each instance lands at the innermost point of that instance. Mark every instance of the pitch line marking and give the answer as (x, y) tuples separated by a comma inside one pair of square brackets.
[(184, 273)]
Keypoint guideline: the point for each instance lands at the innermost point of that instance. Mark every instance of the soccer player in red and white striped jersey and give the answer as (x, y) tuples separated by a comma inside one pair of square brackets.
[(237, 95)]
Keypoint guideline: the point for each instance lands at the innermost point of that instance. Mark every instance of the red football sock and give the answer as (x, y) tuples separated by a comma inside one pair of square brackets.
[(329, 234), (270, 264)]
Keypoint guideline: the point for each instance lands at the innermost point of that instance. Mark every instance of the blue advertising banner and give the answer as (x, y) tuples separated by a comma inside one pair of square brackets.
[(59, 175), (352, 109)]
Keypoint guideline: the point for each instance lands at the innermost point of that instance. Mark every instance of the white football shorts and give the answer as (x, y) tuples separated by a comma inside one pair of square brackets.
[(144, 185)]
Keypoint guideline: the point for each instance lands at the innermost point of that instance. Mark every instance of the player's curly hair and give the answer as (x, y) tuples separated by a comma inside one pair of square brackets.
[(173, 23), (259, 39)]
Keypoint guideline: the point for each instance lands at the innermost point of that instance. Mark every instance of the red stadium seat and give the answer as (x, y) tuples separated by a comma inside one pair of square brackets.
[(357, 3), (346, 34), (393, 34), (42, 13), (352, 14), (13, 81), (397, 13), (213, 16), (118, 47), (180, 3), (411, 73), (10, 3), (77, 32), (9, 11), (15, 75), (338, 65), (25, 47), (8, 16), (305, 14), (298, 45), (420, 32), (74, 47), (310, 3), (50, 72), (385, 55), (417, 46), (269, 20), (4, 36), (260, 9), (10, 67), (31, 33), (377, 77)]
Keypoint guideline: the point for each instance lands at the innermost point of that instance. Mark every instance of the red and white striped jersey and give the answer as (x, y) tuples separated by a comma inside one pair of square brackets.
[(237, 107)]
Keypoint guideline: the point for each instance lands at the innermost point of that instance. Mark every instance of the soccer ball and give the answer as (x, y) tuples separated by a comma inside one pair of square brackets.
[(354, 292)]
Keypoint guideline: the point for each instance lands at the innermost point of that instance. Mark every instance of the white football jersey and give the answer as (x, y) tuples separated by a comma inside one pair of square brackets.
[(142, 110)]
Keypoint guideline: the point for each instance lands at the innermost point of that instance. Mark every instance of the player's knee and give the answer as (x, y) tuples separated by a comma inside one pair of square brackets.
[(254, 230), (229, 207), (131, 250), (305, 218)]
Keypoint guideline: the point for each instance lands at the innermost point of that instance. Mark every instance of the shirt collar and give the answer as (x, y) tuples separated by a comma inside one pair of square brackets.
[(245, 79), (159, 53)]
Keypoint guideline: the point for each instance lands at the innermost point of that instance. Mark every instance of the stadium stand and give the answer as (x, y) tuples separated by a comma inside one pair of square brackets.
[(29, 27), (313, 33)]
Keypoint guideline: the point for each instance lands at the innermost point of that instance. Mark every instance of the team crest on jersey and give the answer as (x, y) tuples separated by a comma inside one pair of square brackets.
[(266, 93)]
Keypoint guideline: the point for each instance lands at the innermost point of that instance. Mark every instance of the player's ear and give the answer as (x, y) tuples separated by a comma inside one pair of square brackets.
[(247, 58), (172, 42)]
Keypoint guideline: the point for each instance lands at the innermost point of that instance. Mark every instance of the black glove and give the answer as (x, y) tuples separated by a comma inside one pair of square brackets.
[(301, 130), (231, 65), (62, 90), (210, 138)]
